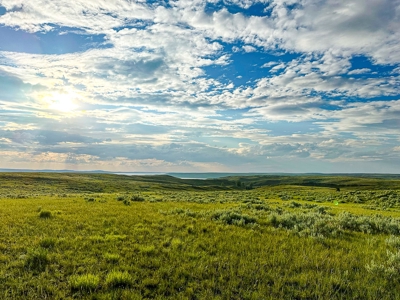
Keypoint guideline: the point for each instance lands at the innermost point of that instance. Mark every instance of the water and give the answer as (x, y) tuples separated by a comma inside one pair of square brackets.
[(189, 175), (140, 173)]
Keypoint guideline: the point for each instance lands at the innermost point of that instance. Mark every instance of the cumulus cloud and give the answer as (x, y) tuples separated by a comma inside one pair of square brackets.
[(172, 71), (367, 27), (248, 48), (91, 15)]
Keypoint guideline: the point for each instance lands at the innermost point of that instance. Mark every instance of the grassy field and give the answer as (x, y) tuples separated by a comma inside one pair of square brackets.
[(100, 236)]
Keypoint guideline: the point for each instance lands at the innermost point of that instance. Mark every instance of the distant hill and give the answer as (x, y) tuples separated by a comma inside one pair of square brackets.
[(67, 182), (50, 171)]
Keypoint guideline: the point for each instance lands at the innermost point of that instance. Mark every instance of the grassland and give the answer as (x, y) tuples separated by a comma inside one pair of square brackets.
[(101, 236)]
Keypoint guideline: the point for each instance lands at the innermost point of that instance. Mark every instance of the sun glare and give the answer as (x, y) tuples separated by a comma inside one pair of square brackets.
[(62, 102)]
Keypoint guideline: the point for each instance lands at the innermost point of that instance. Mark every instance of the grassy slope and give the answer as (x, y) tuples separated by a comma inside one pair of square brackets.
[(180, 242)]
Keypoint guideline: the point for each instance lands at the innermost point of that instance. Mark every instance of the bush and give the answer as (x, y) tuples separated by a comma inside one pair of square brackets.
[(84, 283), (310, 223), (369, 224), (294, 204), (120, 198), (117, 279), (137, 198), (231, 217), (45, 214)]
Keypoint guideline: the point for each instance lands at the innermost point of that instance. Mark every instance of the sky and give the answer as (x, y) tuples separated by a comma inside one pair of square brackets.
[(200, 86)]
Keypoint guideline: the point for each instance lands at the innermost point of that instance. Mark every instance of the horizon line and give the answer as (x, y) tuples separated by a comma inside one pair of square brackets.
[(6, 170)]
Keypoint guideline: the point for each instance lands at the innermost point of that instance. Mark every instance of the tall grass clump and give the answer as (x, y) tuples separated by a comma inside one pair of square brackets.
[(45, 214), (393, 241), (389, 268), (112, 258), (147, 249), (47, 243), (37, 260), (117, 279), (84, 283)]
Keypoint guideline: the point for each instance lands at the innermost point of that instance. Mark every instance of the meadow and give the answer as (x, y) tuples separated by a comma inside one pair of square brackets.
[(102, 236)]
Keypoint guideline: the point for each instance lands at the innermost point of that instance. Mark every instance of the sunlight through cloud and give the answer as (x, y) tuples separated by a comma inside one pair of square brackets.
[(64, 102)]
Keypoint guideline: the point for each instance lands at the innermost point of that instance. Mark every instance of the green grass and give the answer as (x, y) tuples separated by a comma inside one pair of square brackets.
[(112, 257), (86, 283), (36, 260), (117, 279), (273, 242)]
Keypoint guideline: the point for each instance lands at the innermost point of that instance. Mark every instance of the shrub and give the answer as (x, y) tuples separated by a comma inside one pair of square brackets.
[(371, 224), (45, 214), (261, 207), (310, 223), (294, 204), (84, 283), (231, 217), (117, 279), (321, 209), (137, 198)]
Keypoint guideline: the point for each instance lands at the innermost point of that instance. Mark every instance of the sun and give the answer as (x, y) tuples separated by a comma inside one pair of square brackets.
[(64, 102)]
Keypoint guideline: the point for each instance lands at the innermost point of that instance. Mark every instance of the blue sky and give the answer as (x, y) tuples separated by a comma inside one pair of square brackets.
[(200, 86)]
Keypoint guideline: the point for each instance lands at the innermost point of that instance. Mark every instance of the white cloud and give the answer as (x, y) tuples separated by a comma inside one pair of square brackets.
[(359, 71), (343, 28), (396, 70), (277, 68), (248, 48), (367, 27), (150, 93), (95, 16), (269, 64)]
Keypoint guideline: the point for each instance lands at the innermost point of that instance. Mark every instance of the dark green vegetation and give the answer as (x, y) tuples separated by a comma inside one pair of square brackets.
[(101, 236)]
